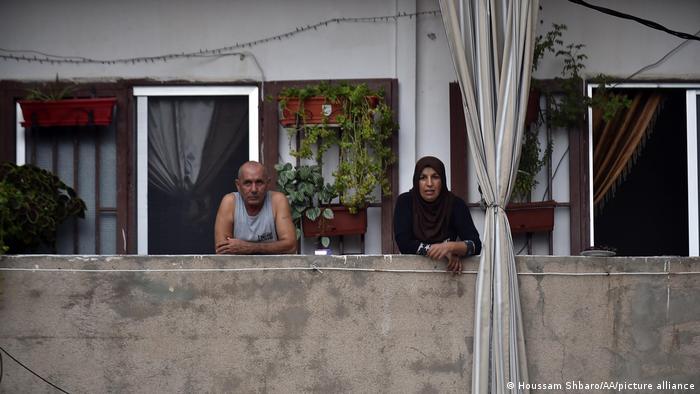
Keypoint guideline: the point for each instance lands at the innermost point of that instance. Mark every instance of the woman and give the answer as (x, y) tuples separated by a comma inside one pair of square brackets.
[(429, 220)]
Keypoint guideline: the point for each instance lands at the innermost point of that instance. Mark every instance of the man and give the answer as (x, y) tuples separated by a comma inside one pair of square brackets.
[(254, 220)]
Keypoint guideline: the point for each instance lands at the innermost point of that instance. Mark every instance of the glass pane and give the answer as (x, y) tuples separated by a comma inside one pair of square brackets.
[(195, 148), (86, 188), (108, 166), (44, 149), (108, 233), (64, 165)]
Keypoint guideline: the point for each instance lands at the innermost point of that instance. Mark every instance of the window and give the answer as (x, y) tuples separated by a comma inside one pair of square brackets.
[(84, 158), (632, 192), (190, 143)]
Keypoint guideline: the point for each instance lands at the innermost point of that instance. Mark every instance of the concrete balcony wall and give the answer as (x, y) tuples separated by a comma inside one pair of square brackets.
[(355, 324)]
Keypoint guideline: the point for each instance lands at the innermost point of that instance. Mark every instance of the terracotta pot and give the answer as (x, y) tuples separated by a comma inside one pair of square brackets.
[(68, 112), (314, 110), (343, 223), (531, 217)]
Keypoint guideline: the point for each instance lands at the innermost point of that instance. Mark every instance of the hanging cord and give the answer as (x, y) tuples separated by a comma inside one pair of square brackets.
[(644, 22), (2, 350), (30, 55)]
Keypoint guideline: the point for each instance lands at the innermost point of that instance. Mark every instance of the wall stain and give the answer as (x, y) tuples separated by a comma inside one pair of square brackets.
[(456, 366), (138, 297)]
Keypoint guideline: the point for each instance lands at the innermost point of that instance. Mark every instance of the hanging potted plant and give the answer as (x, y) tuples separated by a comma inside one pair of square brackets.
[(50, 106), (360, 125)]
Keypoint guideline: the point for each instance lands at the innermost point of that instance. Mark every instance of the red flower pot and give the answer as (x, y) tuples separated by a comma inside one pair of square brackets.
[(68, 112), (343, 223), (531, 217), (314, 110)]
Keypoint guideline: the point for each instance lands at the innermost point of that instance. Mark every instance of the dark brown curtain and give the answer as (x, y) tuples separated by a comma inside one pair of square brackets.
[(618, 143)]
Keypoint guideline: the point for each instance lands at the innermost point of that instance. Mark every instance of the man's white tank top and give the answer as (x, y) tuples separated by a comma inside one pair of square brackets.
[(258, 228)]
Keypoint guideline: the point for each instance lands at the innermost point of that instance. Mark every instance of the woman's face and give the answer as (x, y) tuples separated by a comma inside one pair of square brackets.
[(429, 184)]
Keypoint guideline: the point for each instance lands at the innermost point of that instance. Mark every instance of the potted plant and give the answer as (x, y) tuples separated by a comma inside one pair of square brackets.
[(50, 106), (33, 202), (360, 124), (310, 199)]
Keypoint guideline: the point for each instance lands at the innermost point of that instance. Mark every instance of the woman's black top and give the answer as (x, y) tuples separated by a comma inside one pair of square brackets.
[(461, 227)]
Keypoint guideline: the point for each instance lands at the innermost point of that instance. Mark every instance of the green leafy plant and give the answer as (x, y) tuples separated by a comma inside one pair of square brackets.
[(56, 90), (532, 160), (307, 193), (566, 106), (33, 203), (362, 133)]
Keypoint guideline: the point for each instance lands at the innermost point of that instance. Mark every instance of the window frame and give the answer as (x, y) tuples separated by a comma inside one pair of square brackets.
[(692, 90), (141, 94)]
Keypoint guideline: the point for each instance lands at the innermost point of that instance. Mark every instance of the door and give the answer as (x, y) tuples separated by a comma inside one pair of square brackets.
[(190, 143)]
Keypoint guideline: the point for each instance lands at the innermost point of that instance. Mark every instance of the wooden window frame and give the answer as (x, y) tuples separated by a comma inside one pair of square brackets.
[(270, 141), (579, 226)]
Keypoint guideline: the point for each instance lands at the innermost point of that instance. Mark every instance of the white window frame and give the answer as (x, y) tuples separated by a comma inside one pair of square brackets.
[(142, 93), (692, 92)]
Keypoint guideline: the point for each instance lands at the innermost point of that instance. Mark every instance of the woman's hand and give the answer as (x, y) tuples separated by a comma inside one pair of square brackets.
[(451, 251), (440, 251), (454, 264)]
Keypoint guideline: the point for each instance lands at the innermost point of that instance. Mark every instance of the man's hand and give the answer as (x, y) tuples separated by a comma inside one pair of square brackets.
[(232, 246)]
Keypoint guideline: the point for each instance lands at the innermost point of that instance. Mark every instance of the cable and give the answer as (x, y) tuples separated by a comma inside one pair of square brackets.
[(644, 22), (30, 56), (29, 369), (658, 62)]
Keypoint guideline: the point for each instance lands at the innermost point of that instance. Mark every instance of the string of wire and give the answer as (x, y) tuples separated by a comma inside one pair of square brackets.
[(42, 57), (2, 350)]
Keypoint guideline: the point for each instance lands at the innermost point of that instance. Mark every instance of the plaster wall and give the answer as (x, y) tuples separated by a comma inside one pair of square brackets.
[(353, 324)]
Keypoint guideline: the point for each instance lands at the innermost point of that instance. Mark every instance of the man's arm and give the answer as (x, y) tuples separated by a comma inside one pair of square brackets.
[(223, 226), (286, 235)]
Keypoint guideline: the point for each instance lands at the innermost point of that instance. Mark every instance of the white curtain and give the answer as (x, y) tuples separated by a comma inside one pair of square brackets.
[(491, 43)]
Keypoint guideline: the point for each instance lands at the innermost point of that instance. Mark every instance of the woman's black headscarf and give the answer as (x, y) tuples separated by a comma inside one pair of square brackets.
[(431, 220)]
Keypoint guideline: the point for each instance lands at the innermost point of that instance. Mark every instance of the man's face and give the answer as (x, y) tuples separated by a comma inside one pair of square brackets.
[(252, 185), (429, 184)]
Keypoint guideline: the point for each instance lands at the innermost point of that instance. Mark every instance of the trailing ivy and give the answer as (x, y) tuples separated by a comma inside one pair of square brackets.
[(363, 136)]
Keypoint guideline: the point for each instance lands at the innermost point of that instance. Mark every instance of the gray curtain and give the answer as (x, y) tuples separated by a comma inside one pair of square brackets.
[(189, 140), (491, 44)]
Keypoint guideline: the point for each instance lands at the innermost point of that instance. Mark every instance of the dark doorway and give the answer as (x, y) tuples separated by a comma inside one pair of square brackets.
[(196, 145), (648, 213)]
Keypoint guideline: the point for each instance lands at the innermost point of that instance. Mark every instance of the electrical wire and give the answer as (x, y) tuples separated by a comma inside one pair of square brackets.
[(645, 22), (28, 369), (656, 63), (30, 55)]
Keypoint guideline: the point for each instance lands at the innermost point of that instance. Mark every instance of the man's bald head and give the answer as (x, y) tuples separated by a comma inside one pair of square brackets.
[(252, 165)]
